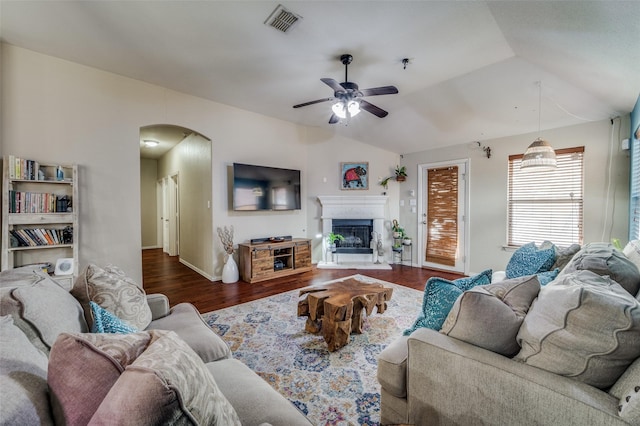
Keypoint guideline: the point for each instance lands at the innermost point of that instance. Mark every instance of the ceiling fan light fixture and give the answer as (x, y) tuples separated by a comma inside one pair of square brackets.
[(539, 156), (345, 109)]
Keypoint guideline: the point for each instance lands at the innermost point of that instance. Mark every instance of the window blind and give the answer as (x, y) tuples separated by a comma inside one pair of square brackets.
[(442, 215), (546, 205), (634, 202)]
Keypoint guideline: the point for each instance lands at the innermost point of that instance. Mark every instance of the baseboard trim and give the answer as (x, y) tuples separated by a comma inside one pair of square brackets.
[(151, 247), (198, 270)]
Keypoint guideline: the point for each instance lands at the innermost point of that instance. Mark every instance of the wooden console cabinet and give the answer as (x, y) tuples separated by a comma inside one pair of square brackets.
[(264, 261)]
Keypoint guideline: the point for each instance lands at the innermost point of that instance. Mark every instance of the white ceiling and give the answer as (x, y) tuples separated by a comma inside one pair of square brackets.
[(472, 73)]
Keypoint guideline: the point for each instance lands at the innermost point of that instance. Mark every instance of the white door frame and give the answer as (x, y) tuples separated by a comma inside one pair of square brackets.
[(462, 263)]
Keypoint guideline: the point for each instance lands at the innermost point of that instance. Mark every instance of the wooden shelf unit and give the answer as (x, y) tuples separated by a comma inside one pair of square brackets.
[(264, 261), (35, 213)]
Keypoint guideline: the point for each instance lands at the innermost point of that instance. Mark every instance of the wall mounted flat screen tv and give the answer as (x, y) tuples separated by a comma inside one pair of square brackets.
[(265, 188)]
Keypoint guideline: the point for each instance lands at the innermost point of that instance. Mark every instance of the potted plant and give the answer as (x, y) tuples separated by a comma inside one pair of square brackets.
[(406, 240), (401, 173), (331, 240), (397, 229)]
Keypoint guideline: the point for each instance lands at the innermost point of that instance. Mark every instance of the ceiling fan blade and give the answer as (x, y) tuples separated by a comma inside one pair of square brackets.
[(373, 109), (333, 84), (333, 119), (317, 101), (384, 90)]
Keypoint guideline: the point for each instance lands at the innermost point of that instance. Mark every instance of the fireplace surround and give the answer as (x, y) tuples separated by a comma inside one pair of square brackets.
[(358, 210)]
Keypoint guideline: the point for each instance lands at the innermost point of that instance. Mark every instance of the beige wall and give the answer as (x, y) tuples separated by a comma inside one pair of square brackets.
[(148, 203), (65, 112), (488, 186), (191, 161)]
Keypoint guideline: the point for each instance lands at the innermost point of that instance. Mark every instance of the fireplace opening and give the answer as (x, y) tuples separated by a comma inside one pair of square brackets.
[(356, 233)]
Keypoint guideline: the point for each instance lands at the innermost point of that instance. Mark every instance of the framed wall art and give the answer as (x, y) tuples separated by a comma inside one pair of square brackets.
[(354, 175)]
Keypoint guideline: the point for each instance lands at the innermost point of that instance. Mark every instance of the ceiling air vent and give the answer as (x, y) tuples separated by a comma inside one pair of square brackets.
[(281, 19)]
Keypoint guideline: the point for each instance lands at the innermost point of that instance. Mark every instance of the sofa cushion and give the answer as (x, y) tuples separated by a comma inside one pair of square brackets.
[(255, 401), (42, 309), (167, 383), (106, 322), (583, 326), (627, 390), (24, 396), (185, 320), (82, 369), (110, 288), (605, 259), (490, 316), (529, 260), (440, 295)]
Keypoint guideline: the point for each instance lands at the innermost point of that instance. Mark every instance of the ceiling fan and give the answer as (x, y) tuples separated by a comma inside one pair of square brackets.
[(348, 97)]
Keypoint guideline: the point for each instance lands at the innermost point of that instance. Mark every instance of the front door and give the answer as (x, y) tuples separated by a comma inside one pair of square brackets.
[(443, 195)]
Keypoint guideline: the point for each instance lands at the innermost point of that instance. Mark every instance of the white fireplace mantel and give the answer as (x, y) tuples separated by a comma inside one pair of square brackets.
[(352, 207)]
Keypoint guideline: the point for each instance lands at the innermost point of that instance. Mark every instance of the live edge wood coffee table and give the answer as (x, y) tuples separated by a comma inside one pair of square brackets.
[(335, 309)]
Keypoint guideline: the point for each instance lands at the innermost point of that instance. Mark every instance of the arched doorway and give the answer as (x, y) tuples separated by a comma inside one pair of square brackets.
[(175, 194)]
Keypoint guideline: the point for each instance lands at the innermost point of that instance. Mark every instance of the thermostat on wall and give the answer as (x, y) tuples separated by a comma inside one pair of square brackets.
[(64, 266)]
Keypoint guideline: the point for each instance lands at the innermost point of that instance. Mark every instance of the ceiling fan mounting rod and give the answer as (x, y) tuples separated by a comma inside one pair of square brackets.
[(346, 60)]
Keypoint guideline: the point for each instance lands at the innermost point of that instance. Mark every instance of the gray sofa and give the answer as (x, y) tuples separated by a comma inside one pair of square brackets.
[(429, 378), (37, 314)]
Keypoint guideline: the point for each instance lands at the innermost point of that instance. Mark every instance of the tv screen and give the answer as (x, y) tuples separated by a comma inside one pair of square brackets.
[(265, 188)]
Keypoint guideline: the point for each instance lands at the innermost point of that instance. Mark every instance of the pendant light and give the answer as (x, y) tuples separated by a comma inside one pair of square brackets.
[(540, 154)]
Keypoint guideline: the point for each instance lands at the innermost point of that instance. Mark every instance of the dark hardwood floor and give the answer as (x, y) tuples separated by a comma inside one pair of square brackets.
[(165, 274)]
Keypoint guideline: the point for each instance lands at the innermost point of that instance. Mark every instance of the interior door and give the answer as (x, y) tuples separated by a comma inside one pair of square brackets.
[(443, 202), (165, 215)]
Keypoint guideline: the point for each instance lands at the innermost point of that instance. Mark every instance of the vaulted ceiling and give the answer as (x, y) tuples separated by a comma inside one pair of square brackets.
[(472, 73)]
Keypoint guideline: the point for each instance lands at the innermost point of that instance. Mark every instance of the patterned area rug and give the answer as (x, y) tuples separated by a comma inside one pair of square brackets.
[(338, 388)]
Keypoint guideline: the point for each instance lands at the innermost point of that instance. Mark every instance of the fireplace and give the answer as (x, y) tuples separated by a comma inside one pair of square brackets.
[(356, 233), (355, 218)]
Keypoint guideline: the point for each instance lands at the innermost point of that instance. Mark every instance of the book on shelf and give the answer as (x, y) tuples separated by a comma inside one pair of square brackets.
[(34, 202), (33, 237), (23, 169)]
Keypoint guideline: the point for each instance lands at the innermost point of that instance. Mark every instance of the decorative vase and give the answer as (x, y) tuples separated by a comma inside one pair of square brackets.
[(230, 272)]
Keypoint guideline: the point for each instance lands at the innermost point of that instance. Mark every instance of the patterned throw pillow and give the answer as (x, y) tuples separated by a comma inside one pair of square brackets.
[(439, 297), (490, 316), (546, 277), (564, 332), (529, 260), (105, 322), (110, 288), (167, 381)]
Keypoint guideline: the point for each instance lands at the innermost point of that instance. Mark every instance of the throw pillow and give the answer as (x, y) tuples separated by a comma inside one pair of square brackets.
[(440, 295), (627, 390), (529, 260), (166, 382), (632, 251), (105, 322), (49, 309), (110, 288), (546, 277), (82, 369), (24, 395), (583, 326), (490, 316), (605, 259), (564, 255)]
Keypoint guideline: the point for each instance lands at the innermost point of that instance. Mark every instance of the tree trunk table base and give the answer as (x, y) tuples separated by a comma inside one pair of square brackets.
[(336, 309)]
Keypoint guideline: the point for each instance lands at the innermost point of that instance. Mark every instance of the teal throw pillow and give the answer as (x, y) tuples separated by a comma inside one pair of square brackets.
[(440, 295), (529, 260), (106, 322), (546, 277)]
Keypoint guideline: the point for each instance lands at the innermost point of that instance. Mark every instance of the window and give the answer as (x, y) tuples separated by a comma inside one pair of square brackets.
[(546, 205), (634, 208)]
